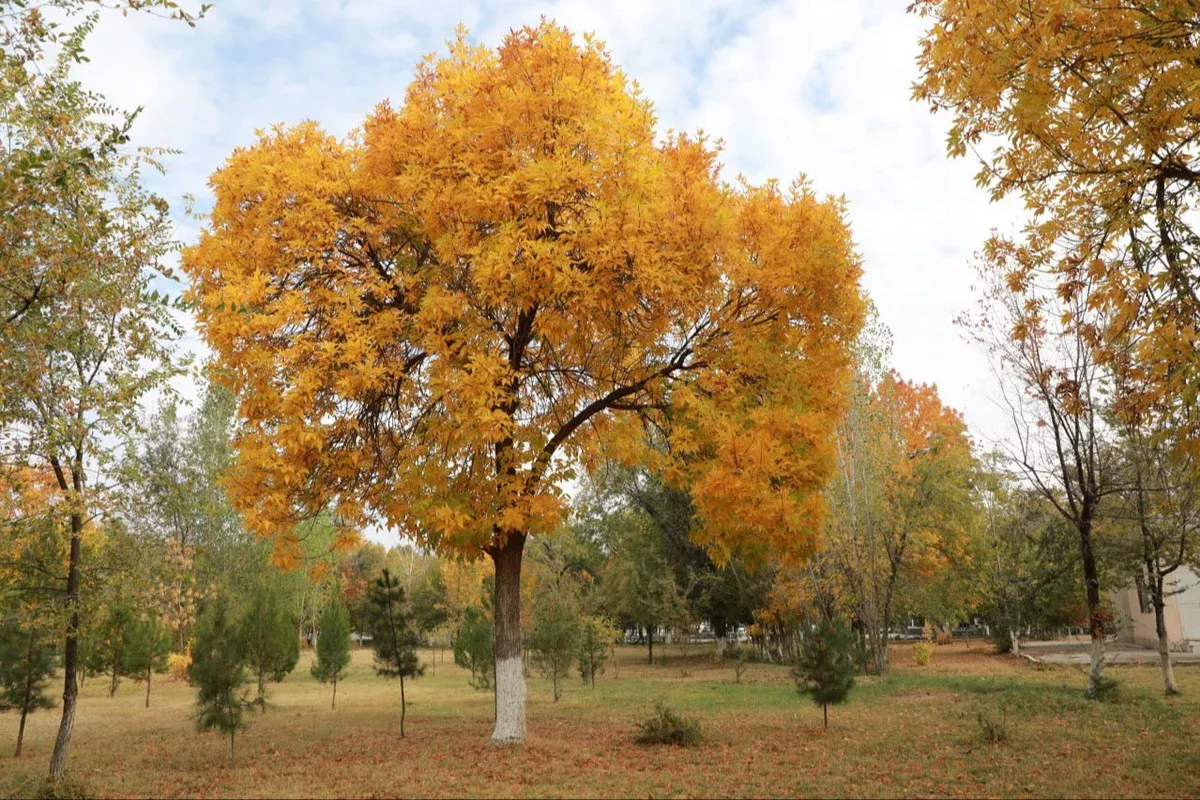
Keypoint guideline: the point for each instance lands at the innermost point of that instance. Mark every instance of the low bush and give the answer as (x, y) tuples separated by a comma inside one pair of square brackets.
[(922, 653), (994, 729), (177, 665), (667, 726)]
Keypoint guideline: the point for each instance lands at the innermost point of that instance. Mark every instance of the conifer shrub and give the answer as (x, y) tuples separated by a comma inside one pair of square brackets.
[(668, 727)]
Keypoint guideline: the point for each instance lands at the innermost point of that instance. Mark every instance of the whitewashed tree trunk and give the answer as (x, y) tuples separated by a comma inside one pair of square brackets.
[(1164, 644), (510, 668), (1014, 637), (1096, 672)]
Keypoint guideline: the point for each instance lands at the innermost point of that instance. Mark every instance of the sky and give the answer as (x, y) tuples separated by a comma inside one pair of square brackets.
[(814, 87)]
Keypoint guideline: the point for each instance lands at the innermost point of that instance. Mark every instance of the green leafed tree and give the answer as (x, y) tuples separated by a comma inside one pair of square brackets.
[(106, 651), (218, 671), (554, 639), (333, 644), (473, 648), (825, 664), (26, 663), (269, 638), (147, 645), (596, 638), (394, 637)]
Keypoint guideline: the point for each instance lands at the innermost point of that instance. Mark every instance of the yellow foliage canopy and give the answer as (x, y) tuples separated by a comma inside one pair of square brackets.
[(430, 322)]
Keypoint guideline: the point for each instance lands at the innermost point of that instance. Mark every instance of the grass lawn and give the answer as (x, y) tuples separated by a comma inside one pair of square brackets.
[(915, 732)]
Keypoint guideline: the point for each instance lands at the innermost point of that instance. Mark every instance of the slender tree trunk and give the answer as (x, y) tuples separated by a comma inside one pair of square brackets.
[(650, 639), (232, 754), (1164, 641), (21, 727), (510, 670), (112, 684), (334, 705), (403, 706), (66, 726), (825, 711), (262, 686), (1091, 579), (149, 672)]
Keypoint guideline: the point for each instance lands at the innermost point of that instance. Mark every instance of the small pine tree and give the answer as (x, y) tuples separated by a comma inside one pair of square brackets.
[(394, 638), (554, 638), (270, 642), (333, 645), (825, 664), (218, 670), (147, 645), (473, 648), (596, 638), (26, 664)]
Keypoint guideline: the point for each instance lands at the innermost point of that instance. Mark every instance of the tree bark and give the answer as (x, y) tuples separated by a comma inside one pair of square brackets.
[(149, 672), (1164, 641), (334, 704), (403, 706), (1095, 623), (1014, 637), (825, 711), (650, 639), (510, 669), (21, 727), (66, 726)]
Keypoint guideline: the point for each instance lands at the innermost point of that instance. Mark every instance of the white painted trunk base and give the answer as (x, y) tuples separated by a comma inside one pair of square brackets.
[(510, 701), (1097, 668)]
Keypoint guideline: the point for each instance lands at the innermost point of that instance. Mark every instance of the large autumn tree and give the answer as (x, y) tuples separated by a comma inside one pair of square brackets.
[(1088, 110), (431, 322)]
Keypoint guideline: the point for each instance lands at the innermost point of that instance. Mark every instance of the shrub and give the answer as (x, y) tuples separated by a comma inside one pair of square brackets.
[(667, 726), (1107, 689), (739, 656), (177, 665), (945, 637), (994, 730), (922, 653), (61, 789)]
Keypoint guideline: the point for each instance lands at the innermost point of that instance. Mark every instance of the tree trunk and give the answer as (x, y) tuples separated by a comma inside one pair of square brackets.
[(66, 726), (403, 707), (1164, 641), (825, 711), (262, 686), (1014, 638), (112, 684), (1095, 623), (232, 754), (21, 727), (650, 639), (149, 672), (334, 704), (510, 670)]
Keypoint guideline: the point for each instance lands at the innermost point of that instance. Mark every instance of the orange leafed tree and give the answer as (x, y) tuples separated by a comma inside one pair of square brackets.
[(431, 322), (1088, 110)]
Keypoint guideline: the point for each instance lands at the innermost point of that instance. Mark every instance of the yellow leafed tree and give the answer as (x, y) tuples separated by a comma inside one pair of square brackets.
[(432, 322)]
